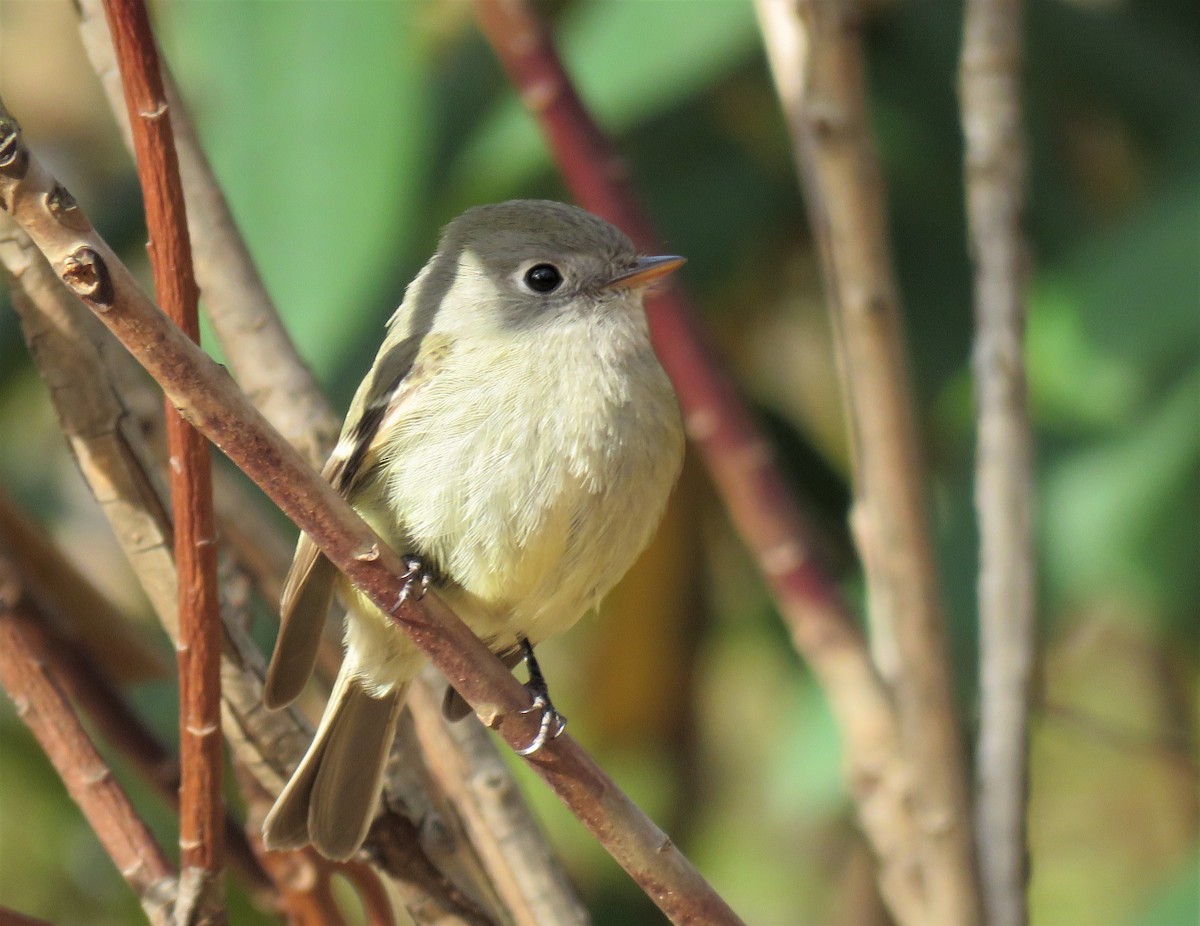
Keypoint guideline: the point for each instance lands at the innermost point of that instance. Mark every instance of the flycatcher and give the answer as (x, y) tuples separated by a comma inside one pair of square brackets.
[(517, 438)]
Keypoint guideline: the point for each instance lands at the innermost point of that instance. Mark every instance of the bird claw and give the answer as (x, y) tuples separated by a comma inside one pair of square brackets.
[(552, 723), (551, 726), (418, 576)]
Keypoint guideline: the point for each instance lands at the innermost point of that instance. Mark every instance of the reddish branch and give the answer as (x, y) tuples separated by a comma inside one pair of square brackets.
[(211, 401), (201, 807), (43, 707), (738, 456)]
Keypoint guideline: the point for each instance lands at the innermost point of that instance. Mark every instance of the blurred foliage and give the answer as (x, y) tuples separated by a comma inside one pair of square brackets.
[(346, 133)]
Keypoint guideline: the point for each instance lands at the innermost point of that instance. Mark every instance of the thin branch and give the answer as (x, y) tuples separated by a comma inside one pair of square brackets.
[(244, 318), (91, 688), (210, 400), (201, 891), (529, 879), (990, 95), (81, 361), (739, 459), (82, 615), (265, 361), (45, 710), (815, 53)]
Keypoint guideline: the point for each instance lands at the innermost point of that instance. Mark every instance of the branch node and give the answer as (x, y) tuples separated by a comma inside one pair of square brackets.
[(86, 275)]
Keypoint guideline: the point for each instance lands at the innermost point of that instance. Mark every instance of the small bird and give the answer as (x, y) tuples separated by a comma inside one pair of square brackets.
[(515, 440)]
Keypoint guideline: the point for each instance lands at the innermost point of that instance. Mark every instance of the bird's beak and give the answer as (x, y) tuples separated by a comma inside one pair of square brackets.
[(645, 271)]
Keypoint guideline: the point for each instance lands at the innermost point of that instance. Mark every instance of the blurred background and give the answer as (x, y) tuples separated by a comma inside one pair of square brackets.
[(347, 133)]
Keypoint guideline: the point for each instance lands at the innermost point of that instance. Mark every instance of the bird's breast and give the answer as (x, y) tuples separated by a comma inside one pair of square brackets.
[(534, 473)]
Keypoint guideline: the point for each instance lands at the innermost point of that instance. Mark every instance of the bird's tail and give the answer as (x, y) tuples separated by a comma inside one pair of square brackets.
[(331, 798)]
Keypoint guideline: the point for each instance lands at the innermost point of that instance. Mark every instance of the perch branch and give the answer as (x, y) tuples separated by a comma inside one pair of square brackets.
[(40, 703), (208, 399), (990, 97), (83, 365), (526, 874), (739, 459), (264, 360), (815, 53), (201, 805)]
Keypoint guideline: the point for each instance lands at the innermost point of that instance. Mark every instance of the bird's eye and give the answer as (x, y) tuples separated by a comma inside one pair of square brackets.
[(543, 278)]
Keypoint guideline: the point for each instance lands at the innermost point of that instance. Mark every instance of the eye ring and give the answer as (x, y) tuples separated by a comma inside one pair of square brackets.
[(543, 278)]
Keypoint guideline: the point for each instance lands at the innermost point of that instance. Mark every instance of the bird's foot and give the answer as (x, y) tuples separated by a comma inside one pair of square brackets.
[(552, 722), (418, 576)]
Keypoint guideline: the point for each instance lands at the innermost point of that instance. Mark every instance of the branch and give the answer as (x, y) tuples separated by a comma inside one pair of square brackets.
[(209, 399), (530, 881), (816, 57), (82, 615), (82, 363), (201, 891), (75, 666), (44, 709), (244, 318), (739, 460), (990, 95), (264, 359)]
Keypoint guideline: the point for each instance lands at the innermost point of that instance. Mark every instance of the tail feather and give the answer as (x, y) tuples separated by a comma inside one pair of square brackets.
[(331, 798)]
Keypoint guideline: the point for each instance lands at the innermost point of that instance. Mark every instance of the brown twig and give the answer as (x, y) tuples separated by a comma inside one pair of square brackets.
[(81, 362), (990, 96), (244, 318), (261, 354), (528, 878), (738, 457), (201, 804), (209, 399), (815, 54), (65, 341), (45, 710), (85, 680), (82, 615)]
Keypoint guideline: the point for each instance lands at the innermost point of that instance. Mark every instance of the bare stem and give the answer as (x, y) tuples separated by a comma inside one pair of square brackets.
[(526, 875), (98, 406), (990, 96), (201, 803), (209, 399), (244, 317), (815, 53), (40, 703)]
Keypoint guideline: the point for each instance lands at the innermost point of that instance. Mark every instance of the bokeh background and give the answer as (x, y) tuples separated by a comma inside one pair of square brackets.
[(347, 133)]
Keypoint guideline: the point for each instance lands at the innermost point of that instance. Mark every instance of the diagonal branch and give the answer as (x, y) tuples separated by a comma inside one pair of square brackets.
[(96, 403), (201, 892), (739, 459), (269, 368), (244, 318), (40, 703), (83, 675), (990, 95), (816, 57), (210, 400)]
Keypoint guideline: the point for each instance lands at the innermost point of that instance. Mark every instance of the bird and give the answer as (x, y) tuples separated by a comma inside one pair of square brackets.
[(516, 440)]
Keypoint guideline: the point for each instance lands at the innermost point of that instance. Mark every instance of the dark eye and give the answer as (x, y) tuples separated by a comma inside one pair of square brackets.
[(543, 278)]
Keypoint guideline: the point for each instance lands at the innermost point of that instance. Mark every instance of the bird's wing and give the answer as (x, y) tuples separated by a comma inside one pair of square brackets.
[(308, 589)]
